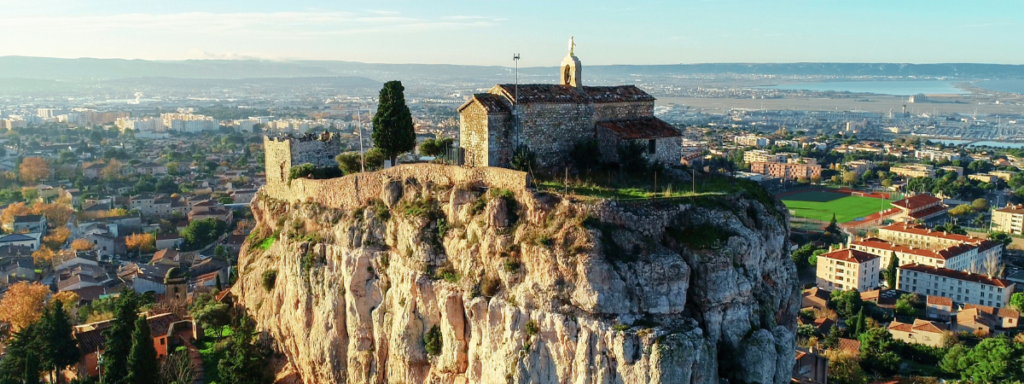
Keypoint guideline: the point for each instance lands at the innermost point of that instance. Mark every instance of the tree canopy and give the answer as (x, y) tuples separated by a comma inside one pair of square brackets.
[(392, 124)]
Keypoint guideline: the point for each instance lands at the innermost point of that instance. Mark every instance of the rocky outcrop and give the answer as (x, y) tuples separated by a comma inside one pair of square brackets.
[(464, 284)]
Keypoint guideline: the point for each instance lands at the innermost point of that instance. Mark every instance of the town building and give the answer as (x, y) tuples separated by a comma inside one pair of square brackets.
[(763, 156), (961, 257), (975, 322), (913, 170), (980, 253), (752, 141), (1004, 175), (167, 330), (959, 171), (550, 119), (921, 207), (787, 171), (922, 332), (29, 223), (847, 269), (1009, 219), (961, 287), (859, 166), (1007, 318), (983, 177), (939, 308)]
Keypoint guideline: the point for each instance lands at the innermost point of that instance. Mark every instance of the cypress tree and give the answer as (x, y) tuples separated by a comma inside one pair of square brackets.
[(142, 365), (890, 272), (119, 339), (832, 339), (392, 125), (219, 286), (32, 369), (21, 346), (61, 347), (860, 324)]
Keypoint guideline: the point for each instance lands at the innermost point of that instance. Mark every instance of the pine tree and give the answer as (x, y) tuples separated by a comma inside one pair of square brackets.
[(832, 339), (61, 347), (119, 339), (21, 346), (142, 364), (890, 272), (859, 325), (32, 369), (243, 364), (392, 125)]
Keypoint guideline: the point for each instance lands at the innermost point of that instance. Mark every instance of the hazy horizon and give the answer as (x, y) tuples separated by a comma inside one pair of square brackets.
[(645, 32)]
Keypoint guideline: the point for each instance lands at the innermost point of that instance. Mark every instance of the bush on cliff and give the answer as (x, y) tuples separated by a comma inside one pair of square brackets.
[(432, 341), (309, 171), (269, 279)]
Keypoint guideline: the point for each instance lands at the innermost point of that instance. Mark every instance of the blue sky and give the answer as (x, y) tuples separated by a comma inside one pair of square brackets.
[(488, 32)]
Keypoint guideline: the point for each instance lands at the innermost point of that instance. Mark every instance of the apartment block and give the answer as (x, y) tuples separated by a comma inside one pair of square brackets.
[(913, 170), (848, 269), (787, 171), (962, 287), (1009, 219)]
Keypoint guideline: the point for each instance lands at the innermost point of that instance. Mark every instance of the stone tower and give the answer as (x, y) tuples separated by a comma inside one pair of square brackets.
[(175, 282), (571, 68)]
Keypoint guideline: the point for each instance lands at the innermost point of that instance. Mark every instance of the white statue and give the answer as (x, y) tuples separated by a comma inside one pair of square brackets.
[(572, 45)]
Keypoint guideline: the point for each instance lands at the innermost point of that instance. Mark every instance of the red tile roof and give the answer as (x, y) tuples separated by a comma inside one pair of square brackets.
[(998, 312), (849, 255), (916, 201), (959, 275), (850, 345), (939, 300), (641, 128), (93, 339), (555, 93)]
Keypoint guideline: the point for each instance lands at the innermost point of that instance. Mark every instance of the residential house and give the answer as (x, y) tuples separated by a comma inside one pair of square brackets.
[(146, 278), (166, 257), (16, 269), (92, 339), (939, 308), (168, 241), (810, 367), (29, 223), (210, 210), (920, 332), (1008, 318), (850, 346), (975, 321), (1009, 219), (30, 240), (815, 298)]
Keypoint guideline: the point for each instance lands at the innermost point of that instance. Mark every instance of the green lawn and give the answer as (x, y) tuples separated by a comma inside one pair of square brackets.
[(821, 206)]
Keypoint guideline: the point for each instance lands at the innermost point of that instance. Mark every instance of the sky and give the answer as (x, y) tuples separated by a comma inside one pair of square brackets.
[(489, 32)]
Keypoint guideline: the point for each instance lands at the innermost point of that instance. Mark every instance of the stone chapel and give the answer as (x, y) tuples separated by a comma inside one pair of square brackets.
[(554, 117)]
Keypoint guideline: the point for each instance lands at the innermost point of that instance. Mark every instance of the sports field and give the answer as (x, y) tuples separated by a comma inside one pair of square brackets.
[(821, 206)]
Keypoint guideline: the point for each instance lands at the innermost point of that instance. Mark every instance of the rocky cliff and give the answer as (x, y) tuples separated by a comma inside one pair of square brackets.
[(461, 283)]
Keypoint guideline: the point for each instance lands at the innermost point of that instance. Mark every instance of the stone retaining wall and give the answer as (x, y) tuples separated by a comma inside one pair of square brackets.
[(357, 190)]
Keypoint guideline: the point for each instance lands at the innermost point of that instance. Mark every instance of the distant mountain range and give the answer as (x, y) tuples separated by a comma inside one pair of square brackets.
[(19, 67)]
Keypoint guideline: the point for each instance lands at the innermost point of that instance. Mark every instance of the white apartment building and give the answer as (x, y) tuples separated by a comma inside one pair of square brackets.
[(848, 269), (961, 287), (148, 124), (752, 141), (763, 156), (936, 155), (961, 257), (1009, 219), (952, 251), (187, 122), (913, 170)]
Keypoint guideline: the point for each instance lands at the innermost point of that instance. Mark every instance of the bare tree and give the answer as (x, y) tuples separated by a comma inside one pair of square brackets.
[(177, 368)]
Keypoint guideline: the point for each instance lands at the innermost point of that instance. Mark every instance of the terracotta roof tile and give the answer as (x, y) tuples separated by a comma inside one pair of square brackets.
[(939, 300), (849, 255), (959, 275), (641, 128)]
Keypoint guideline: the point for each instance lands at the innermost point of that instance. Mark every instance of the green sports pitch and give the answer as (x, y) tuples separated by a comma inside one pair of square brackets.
[(821, 206)]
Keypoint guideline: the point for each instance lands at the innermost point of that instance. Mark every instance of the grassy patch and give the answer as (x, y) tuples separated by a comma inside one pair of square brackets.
[(699, 237), (822, 205), (266, 243)]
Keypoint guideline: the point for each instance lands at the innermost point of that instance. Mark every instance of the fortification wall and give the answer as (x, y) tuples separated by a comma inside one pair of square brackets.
[(278, 160), (357, 190)]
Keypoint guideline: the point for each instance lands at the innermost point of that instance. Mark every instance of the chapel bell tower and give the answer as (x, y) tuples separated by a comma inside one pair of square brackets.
[(571, 68)]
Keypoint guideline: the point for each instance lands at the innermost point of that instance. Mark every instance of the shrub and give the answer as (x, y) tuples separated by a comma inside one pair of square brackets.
[(531, 328), (523, 159), (269, 279), (631, 156), (512, 266), (432, 341), (586, 154), (381, 210), (489, 286), (309, 171)]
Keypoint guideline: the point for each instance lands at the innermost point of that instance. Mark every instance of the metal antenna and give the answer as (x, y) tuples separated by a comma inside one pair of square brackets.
[(515, 103)]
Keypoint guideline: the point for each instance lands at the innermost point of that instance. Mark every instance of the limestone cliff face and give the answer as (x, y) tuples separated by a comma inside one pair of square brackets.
[(522, 288)]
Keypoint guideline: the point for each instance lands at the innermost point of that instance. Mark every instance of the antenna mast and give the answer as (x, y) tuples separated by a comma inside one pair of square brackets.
[(515, 103)]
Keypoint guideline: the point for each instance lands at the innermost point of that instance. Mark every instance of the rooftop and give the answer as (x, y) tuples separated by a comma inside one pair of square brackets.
[(849, 255), (959, 275)]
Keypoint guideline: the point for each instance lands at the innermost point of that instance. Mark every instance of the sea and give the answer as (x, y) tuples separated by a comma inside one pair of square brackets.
[(895, 87), (993, 144), (1012, 86)]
